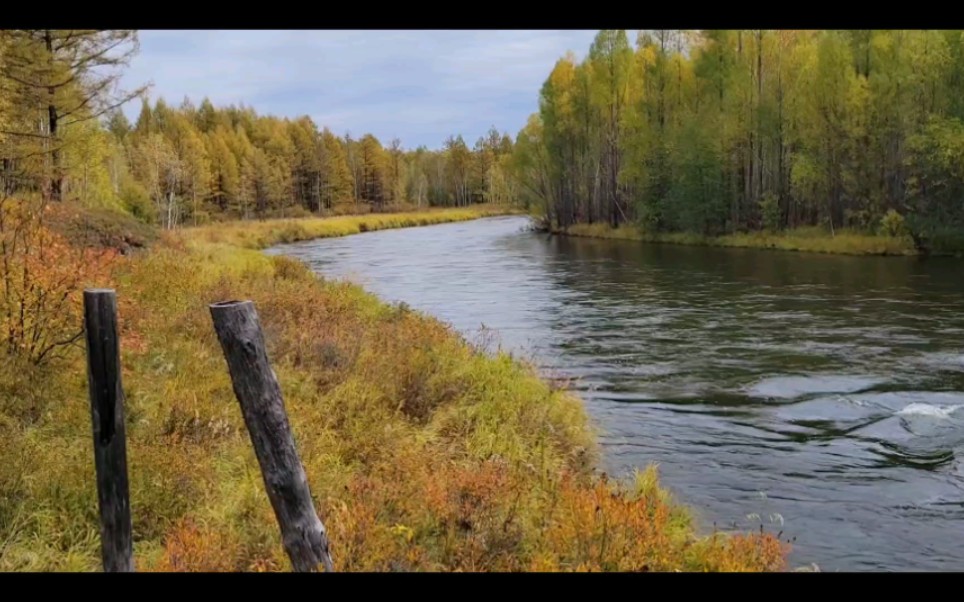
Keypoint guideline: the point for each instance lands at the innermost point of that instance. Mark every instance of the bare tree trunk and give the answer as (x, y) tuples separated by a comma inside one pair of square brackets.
[(56, 177)]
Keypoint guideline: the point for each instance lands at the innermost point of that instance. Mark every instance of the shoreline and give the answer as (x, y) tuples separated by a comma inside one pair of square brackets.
[(799, 241), (263, 234)]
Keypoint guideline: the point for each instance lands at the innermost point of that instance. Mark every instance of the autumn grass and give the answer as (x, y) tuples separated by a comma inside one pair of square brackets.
[(811, 240), (422, 452), (261, 234)]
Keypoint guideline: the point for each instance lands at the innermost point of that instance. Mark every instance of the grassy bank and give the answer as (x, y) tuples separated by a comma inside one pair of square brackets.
[(261, 234), (811, 240), (422, 452)]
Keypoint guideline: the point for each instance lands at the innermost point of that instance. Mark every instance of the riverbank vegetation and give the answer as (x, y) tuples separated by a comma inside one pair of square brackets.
[(423, 452), (261, 234), (694, 135), (808, 240)]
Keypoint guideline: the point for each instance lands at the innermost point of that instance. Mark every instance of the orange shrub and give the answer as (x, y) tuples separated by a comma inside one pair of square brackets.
[(191, 546), (423, 512), (42, 278)]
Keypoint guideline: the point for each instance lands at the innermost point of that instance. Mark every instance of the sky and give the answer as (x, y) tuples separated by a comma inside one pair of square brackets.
[(420, 86)]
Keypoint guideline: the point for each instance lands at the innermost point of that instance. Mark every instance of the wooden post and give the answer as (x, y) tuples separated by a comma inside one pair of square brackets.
[(256, 387), (107, 416)]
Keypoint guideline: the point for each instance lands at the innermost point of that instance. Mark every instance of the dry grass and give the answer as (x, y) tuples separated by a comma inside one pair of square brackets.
[(261, 234)]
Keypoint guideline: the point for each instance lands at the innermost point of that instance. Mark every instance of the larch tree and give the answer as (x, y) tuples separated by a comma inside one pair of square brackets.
[(339, 183), (56, 79)]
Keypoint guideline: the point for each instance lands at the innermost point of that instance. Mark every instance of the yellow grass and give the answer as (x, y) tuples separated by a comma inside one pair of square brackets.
[(261, 234)]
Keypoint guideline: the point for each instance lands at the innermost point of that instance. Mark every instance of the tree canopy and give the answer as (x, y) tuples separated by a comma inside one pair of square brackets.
[(731, 130)]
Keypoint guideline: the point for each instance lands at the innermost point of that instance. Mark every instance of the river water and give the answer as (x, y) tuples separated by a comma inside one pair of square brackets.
[(817, 396)]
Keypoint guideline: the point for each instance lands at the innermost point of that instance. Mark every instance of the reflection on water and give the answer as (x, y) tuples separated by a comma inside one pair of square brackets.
[(821, 395)]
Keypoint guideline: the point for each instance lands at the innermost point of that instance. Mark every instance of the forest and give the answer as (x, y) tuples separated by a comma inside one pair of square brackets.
[(724, 131), (711, 132), (191, 164)]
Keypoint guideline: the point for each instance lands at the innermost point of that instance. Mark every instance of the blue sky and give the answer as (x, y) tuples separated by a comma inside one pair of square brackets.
[(418, 85)]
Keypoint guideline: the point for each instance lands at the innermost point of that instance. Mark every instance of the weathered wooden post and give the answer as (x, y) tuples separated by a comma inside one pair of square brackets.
[(107, 415), (256, 387)]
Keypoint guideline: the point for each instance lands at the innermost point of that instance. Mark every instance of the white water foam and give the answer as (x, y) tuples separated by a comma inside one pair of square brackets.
[(926, 409)]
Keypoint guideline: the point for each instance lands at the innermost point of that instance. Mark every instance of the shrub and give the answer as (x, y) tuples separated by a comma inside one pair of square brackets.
[(137, 201), (286, 268), (770, 210), (191, 546), (296, 211), (101, 227), (201, 217), (892, 224), (41, 282)]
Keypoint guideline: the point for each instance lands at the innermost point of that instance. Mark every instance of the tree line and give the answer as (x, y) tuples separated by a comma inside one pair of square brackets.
[(63, 136), (711, 131), (189, 163), (721, 131)]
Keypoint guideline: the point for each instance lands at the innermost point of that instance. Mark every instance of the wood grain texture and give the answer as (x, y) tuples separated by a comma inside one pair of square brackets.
[(107, 418), (256, 388)]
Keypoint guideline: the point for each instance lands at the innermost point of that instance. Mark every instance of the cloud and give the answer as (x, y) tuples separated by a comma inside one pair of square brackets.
[(421, 86)]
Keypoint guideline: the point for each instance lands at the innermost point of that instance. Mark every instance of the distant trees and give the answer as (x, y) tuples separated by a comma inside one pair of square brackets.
[(337, 181), (708, 131), (63, 136), (196, 164)]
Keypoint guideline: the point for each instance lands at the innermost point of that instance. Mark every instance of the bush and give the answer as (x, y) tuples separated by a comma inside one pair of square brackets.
[(289, 212), (201, 217), (137, 201), (41, 279), (892, 224), (102, 228), (770, 210)]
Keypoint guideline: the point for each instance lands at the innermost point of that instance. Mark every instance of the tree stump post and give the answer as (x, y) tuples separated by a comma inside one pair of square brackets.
[(107, 417), (256, 388)]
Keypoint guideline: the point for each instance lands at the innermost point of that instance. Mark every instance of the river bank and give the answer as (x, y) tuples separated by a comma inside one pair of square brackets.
[(807, 240), (814, 394), (423, 453), (262, 234)]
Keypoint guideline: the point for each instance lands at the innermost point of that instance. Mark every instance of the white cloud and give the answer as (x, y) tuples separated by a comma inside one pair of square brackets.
[(418, 85)]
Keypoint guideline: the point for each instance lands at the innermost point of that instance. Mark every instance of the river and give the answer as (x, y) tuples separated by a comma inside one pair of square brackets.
[(818, 396)]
